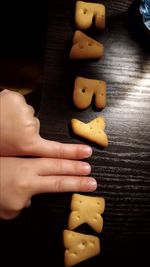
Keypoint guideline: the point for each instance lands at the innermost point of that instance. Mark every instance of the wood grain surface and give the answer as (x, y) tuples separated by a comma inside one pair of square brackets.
[(122, 170)]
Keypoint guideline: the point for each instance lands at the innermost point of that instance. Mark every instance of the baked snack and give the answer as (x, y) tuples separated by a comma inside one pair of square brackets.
[(84, 89), (79, 247), (92, 131), (85, 47), (86, 12), (80, 214)]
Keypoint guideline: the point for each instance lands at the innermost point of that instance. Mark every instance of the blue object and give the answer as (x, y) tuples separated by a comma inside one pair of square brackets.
[(145, 12)]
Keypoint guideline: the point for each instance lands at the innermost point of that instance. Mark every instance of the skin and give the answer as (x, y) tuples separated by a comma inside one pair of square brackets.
[(52, 167)]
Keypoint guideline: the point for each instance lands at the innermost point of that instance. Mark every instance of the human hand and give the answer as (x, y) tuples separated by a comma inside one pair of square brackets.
[(19, 132), (21, 178)]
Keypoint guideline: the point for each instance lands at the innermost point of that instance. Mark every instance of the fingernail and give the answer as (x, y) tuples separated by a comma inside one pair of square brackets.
[(87, 151), (86, 168), (5, 91), (92, 184)]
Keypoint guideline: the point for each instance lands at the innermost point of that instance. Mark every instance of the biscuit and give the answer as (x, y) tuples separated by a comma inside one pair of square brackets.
[(85, 47), (85, 12), (79, 247), (81, 214), (92, 131), (84, 89)]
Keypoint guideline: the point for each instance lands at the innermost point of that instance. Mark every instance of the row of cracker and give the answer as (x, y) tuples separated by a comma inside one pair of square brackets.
[(86, 209), (85, 47), (80, 247)]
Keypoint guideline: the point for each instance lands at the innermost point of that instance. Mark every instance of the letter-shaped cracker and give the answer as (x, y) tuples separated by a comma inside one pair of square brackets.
[(85, 47), (85, 12), (79, 247), (86, 209), (93, 131), (84, 89)]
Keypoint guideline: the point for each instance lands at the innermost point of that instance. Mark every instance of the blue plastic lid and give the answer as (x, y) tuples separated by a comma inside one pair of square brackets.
[(145, 12)]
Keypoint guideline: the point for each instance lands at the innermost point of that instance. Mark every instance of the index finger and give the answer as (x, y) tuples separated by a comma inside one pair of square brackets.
[(46, 148)]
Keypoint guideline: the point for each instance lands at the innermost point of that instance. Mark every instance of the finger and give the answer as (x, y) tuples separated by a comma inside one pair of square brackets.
[(4, 92), (29, 110), (8, 215), (47, 167), (51, 184), (17, 97), (36, 123), (28, 204), (33, 124), (46, 148)]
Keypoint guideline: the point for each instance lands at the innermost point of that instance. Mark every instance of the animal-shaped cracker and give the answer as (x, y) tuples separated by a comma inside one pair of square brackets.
[(92, 131), (85, 12), (84, 89), (79, 247), (85, 47), (86, 209)]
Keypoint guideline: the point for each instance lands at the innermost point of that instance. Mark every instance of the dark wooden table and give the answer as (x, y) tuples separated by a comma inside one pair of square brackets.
[(122, 170)]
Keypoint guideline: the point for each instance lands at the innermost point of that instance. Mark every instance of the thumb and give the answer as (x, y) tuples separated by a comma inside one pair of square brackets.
[(46, 148)]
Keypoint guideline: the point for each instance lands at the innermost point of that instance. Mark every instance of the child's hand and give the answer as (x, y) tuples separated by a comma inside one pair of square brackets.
[(21, 178), (19, 132)]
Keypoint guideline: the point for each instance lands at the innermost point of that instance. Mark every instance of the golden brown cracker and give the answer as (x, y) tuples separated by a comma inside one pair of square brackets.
[(86, 209), (85, 12), (84, 89), (92, 131), (79, 247), (85, 47)]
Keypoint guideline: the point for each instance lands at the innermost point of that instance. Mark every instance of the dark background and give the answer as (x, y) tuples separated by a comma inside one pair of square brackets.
[(122, 170)]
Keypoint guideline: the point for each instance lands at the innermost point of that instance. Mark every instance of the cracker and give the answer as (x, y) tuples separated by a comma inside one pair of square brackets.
[(85, 12), (92, 131), (85, 47), (79, 247), (81, 214), (84, 89)]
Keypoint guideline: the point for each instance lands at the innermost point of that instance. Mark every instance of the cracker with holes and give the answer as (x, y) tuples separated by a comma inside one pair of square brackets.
[(86, 12), (84, 89), (86, 209), (85, 47), (92, 131), (79, 247)]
